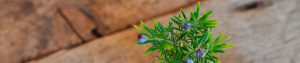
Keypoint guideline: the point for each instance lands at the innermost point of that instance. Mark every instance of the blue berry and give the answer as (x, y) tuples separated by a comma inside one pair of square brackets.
[(200, 53), (186, 25), (189, 61), (142, 39)]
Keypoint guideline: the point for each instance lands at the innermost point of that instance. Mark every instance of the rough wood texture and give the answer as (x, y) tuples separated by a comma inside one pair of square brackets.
[(111, 49), (117, 48), (32, 35), (116, 15), (82, 24), (264, 31), (31, 29)]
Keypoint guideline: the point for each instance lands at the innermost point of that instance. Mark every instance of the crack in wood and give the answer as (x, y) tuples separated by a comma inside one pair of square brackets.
[(254, 5), (95, 32), (70, 24), (87, 12)]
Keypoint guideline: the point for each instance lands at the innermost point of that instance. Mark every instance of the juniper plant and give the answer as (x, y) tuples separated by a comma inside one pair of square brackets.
[(185, 40)]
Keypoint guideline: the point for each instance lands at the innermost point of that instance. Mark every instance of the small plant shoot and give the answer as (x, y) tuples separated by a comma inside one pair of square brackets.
[(186, 39)]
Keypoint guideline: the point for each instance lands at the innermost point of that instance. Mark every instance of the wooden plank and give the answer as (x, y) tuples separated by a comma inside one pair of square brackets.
[(82, 24), (30, 29), (117, 48), (29, 37), (116, 15), (267, 34)]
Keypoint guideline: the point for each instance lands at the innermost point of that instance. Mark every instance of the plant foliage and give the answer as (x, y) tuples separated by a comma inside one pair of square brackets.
[(185, 39)]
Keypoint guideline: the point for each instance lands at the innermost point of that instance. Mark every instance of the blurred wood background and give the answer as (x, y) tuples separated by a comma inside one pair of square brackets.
[(100, 31)]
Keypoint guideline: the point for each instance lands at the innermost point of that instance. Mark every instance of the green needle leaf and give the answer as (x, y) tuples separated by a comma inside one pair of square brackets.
[(141, 31), (151, 31), (183, 13), (224, 46), (182, 35), (205, 16), (151, 49)]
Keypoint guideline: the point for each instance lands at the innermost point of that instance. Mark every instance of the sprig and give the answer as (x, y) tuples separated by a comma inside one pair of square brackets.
[(185, 39)]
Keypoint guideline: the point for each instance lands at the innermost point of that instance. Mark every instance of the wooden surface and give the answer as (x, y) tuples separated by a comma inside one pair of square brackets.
[(115, 15), (90, 31), (267, 33), (120, 47), (33, 29)]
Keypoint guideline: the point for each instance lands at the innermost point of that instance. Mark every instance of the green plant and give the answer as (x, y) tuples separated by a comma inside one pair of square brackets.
[(185, 39)]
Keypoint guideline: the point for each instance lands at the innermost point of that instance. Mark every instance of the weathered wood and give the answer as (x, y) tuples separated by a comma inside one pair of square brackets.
[(116, 15), (82, 24), (265, 34), (29, 30), (117, 48), (32, 35)]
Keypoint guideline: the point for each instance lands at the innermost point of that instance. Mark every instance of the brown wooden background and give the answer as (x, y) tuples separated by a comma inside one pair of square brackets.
[(100, 31)]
